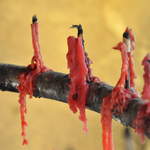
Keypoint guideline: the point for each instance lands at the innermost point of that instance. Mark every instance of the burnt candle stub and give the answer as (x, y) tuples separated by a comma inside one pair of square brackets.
[(26, 79)]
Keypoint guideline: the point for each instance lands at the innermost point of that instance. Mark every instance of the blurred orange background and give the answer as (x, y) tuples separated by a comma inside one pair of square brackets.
[(52, 126)]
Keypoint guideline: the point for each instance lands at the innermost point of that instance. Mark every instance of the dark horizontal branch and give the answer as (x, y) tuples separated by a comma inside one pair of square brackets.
[(54, 85)]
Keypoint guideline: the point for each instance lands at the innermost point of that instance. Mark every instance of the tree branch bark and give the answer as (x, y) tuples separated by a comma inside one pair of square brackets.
[(54, 85)]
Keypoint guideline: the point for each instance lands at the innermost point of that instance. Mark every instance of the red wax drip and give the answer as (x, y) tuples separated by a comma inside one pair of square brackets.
[(120, 96), (106, 120), (124, 70), (78, 76), (140, 123), (146, 76), (116, 101), (26, 79)]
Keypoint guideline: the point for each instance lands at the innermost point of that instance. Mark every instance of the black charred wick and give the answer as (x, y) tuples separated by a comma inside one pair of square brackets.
[(34, 19), (80, 31), (126, 35), (79, 28)]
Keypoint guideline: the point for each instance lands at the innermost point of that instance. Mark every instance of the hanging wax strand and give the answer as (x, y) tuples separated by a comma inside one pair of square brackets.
[(78, 76), (106, 121), (26, 79), (121, 93)]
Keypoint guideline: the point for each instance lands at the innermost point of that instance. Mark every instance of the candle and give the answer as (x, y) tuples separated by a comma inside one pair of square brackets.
[(122, 92), (26, 85), (78, 75)]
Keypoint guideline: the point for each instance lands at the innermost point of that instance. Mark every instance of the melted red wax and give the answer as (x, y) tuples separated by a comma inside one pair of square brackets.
[(119, 94), (124, 70), (78, 77), (144, 112), (119, 97), (106, 121), (146, 76), (117, 100), (26, 79), (141, 124)]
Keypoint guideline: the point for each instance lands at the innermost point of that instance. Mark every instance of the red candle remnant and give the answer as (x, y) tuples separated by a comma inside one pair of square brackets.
[(26, 79), (117, 100), (140, 123), (78, 75), (121, 93), (144, 112), (146, 76)]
